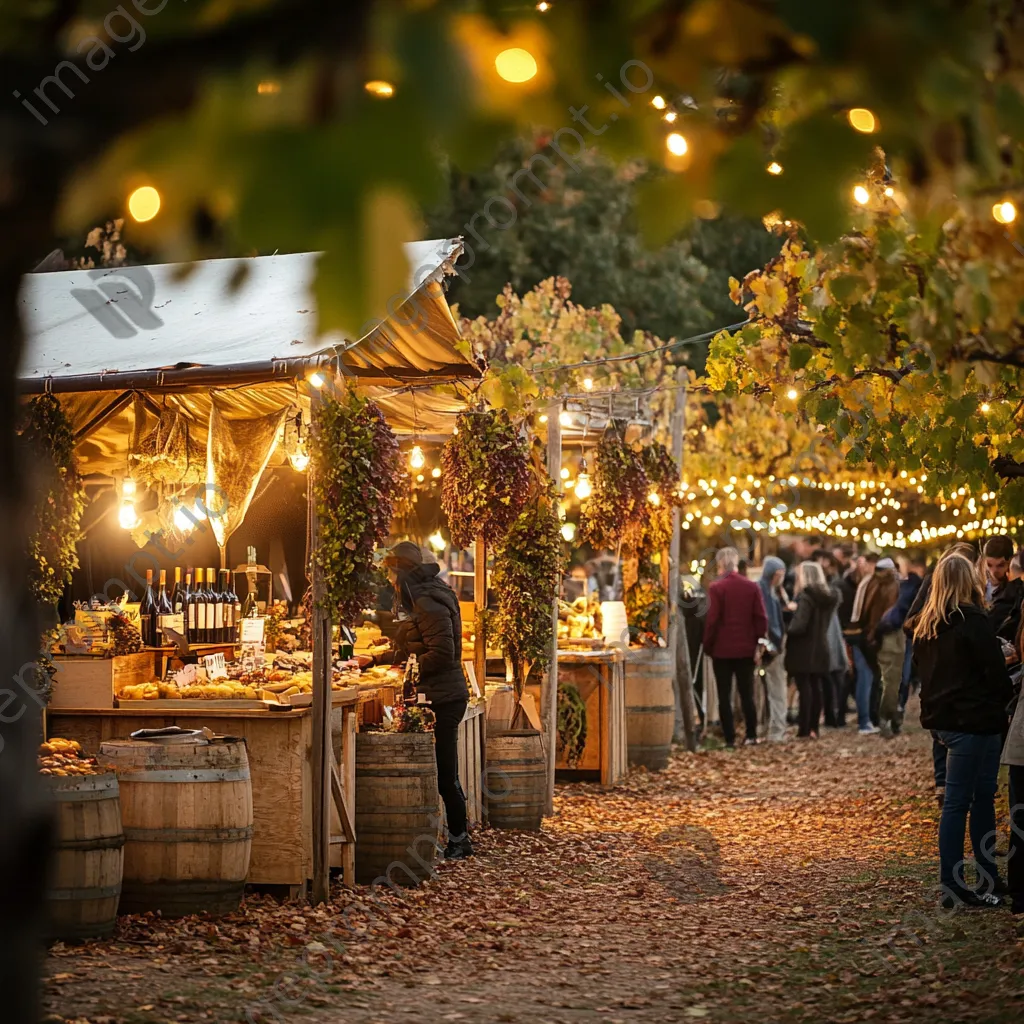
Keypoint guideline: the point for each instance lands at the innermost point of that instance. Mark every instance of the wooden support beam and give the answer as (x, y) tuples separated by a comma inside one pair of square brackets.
[(685, 728), (480, 612), (549, 688), (321, 754), (348, 824)]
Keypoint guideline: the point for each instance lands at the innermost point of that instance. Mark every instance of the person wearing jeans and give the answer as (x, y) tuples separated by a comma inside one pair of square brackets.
[(776, 604), (735, 622), (862, 694), (965, 690), (1013, 755), (972, 772)]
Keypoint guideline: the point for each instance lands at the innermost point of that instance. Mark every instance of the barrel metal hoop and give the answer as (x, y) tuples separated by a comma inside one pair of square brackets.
[(97, 843), (187, 835), (98, 892), (83, 796), (178, 775)]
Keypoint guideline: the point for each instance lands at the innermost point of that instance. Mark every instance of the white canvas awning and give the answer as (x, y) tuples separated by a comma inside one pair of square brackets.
[(229, 322)]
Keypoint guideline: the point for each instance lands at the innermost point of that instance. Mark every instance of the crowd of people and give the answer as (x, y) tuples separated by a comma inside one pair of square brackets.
[(831, 626)]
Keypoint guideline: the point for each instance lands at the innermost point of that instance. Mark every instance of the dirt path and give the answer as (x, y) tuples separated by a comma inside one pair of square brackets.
[(786, 883)]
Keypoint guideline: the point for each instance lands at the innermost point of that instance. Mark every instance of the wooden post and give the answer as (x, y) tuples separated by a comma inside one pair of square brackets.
[(480, 612), (321, 754), (677, 625), (549, 688)]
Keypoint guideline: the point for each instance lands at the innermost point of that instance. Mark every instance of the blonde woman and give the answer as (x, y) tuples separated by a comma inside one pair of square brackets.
[(965, 689), (807, 649)]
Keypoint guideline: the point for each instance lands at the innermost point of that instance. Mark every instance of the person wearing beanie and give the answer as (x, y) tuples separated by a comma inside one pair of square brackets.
[(432, 631), (776, 601)]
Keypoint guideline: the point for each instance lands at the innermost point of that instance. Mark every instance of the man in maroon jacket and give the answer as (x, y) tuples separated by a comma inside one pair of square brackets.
[(736, 620)]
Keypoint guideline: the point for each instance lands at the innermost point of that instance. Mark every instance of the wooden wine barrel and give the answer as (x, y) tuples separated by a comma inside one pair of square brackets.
[(85, 881), (187, 814), (397, 807), (650, 706), (516, 780)]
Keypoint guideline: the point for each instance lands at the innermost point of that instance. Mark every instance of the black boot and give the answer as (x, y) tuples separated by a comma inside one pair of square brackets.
[(458, 849)]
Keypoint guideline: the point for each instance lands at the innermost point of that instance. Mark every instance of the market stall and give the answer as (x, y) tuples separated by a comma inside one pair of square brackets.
[(184, 394)]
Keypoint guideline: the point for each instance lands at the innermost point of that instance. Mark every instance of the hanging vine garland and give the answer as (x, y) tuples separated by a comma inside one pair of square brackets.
[(662, 475), (527, 567), (356, 477), (47, 434), (486, 477), (615, 512), (572, 724)]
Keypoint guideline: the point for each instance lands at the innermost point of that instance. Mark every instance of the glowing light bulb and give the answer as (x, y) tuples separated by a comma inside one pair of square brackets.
[(676, 144), (299, 460), (543, 6), (670, 116), (183, 522), (583, 489), (128, 487), (381, 89), (268, 88), (861, 195), (436, 472), (655, 498), (862, 120), (420, 478), (516, 65), (544, 418), (144, 203), (889, 191), (126, 516), (565, 474), (436, 541), (565, 419), (1005, 212), (792, 394), (317, 380), (659, 103), (985, 407), (588, 383), (774, 167), (568, 532), (417, 460)]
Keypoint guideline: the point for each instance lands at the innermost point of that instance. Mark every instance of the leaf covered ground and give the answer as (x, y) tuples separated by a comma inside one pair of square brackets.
[(776, 883)]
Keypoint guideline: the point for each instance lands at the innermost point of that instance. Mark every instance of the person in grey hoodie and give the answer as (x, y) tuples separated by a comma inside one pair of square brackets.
[(776, 600)]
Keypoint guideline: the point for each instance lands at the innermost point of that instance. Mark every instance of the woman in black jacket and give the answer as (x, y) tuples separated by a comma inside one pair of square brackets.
[(965, 689), (807, 649), (433, 632)]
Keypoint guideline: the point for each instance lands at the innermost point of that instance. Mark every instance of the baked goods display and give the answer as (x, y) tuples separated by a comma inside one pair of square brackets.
[(63, 758)]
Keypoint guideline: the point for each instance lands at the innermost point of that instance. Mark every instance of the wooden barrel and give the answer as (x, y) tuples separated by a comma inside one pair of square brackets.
[(650, 706), (86, 878), (516, 780), (187, 814), (397, 807)]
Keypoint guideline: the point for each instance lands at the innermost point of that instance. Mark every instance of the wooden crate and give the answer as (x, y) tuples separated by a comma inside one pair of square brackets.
[(92, 682), (473, 761)]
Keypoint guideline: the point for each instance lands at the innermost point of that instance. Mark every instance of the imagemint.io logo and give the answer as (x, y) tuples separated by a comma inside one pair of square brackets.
[(122, 300)]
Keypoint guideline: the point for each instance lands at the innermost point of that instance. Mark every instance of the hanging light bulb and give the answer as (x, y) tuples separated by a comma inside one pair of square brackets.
[(654, 498), (588, 383), (565, 419), (436, 541), (127, 516), (568, 532), (583, 489), (182, 521), (128, 487), (417, 460), (317, 380), (565, 473), (299, 460), (435, 472)]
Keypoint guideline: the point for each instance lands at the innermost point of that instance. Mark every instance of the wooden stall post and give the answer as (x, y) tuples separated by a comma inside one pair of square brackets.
[(480, 613), (677, 625), (322, 755), (549, 696)]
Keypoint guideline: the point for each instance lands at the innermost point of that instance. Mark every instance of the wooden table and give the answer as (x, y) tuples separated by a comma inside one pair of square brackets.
[(278, 744), (600, 678)]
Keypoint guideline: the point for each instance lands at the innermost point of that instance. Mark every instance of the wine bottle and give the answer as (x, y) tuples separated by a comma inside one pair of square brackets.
[(188, 608), (176, 590), (214, 609), (200, 602), (228, 603), (164, 609), (147, 612)]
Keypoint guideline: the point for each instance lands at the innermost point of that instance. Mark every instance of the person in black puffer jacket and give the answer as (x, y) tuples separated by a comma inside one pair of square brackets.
[(433, 632), (965, 690)]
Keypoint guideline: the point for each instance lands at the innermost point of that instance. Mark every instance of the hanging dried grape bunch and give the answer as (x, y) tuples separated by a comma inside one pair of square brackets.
[(127, 639), (486, 477), (662, 474)]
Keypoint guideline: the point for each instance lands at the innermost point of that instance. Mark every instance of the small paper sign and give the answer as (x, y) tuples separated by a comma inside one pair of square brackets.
[(175, 622), (131, 613), (252, 630), (185, 676), (215, 667)]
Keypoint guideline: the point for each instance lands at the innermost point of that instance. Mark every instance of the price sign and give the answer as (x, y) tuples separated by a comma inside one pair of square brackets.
[(215, 667), (252, 630), (185, 676)]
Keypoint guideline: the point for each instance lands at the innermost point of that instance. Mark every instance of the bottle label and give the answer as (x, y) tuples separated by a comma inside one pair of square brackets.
[(201, 615), (175, 622), (192, 617), (218, 616)]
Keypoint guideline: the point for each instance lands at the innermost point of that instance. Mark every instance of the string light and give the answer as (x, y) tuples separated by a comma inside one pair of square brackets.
[(676, 144), (299, 460), (654, 498), (436, 472), (565, 419), (543, 6), (985, 407), (144, 203), (268, 88), (317, 380), (774, 167), (1004, 212), (670, 116), (659, 103), (381, 89), (862, 120), (568, 532), (861, 195), (792, 394), (565, 474), (127, 516), (436, 541), (588, 383), (516, 65), (583, 490)]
